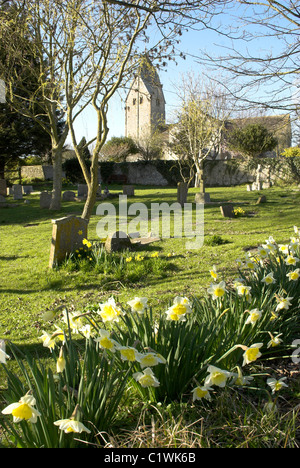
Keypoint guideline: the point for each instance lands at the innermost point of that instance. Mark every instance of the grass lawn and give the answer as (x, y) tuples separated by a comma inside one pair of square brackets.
[(28, 288)]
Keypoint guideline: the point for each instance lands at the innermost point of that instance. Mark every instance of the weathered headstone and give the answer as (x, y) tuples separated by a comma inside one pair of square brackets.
[(82, 190), (18, 192), (182, 192), (68, 196), (128, 190), (117, 241), (227, 211), (45, 200), (202, 197), (9, 191), (67, 236), (249, 188), (3, 187), (27, 189)]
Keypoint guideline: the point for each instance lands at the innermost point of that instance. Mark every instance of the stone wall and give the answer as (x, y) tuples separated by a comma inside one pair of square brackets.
[(37, 172)]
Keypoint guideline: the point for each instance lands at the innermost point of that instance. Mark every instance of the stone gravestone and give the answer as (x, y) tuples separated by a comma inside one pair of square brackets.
[(201, 196), (82, 190), (69, 196), (128, 190), (182, 192), (2, 199), (45, 200), (67, 236), (262, 199), (27, 189), (117, 241), (18, 192), (3, 187), (227, 211)]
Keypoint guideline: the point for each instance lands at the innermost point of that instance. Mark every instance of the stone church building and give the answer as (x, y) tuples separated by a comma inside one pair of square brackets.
[(145, 113)]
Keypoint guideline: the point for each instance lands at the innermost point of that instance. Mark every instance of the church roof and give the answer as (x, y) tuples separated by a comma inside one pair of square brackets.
[(148, 74)]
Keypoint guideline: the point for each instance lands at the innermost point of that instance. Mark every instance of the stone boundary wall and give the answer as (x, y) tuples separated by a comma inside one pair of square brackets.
[(37, 172)]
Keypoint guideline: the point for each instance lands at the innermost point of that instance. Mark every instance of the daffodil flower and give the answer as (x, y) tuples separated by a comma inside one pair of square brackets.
[(214, 273), (61, 362), (264, 251), (146, 378), (254, 316), (284, 248), (277, 385), (48, 341), (23, 410), (138, 304), (269, 279), (217, 377), (202, 392), (73, 319), (71, 426), (252, 353), (217, 290), (109, 311), (150, 359), (294, 275), (244, 290), (177, 312), (275, 340), (87, 243), (106, 342), (127, 353), (290, 260), (283, 303), (240, 380)]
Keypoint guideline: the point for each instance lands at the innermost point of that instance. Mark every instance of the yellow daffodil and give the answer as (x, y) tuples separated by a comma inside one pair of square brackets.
[(105, 341), (127, 353), (283, 303), (254, 316), (146, 378), (294, 275), (277, 385), (71, 426), (202, 392), (80, 233), (138, 304), (61, 362), (154, 254), (87, 243), (48, 341), (269, 279), (244, 291), (252, 353), (217, 377), (128, 259), (150, 359), (23, 410), (109, 311), (275, 341), (139, 258), (217, 290), (74, 319), (290, 260), (213, 273), (177, 312), (240, 379), (284, 248), (263, 251)]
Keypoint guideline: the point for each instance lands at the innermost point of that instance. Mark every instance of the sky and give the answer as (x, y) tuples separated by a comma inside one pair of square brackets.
[(193, 43)]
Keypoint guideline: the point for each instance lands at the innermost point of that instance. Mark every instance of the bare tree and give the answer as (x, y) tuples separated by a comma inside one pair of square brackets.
[(201, 121)]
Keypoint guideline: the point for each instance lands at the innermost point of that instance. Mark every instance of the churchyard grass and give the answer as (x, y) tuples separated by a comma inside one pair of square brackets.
[(28, 289)]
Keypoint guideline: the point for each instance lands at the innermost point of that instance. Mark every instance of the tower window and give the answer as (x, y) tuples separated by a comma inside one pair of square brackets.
[(134, 102), (141, 100), (157, 102)]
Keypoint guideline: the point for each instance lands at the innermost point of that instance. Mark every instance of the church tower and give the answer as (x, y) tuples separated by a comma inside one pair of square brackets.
[(145, 108)]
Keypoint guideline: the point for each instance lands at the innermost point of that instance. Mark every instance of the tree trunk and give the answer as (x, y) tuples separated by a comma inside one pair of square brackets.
[(92, 191), (57, 180)]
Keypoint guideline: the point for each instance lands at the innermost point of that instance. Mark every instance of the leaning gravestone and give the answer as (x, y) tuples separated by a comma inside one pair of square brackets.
[(27, 189), (18, 192), (67, 236), (227, 211), (128, 190), (182, 192), (45, 200), (3, 187), (117, 241)]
